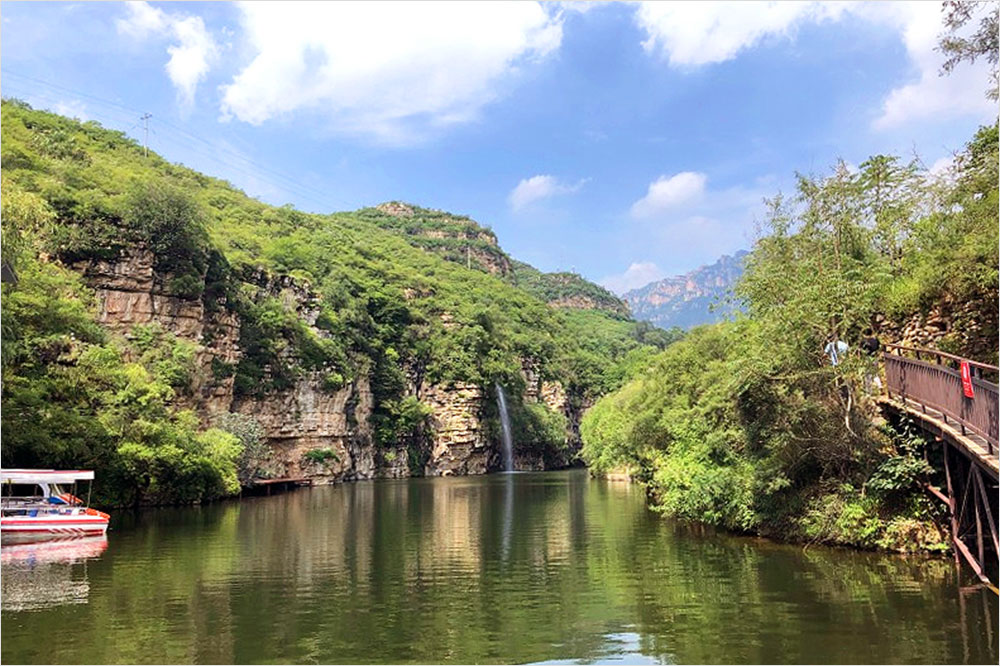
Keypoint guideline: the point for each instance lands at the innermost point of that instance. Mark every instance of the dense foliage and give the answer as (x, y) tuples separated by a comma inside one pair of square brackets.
[(456, 238), (394, 292), (748, 425), (567, 289)]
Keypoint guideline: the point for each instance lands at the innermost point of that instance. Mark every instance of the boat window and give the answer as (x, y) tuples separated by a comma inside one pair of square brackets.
[(21, 490)]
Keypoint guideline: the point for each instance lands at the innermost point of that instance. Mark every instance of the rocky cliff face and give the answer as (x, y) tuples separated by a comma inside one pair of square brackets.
[(687, 300), (312, 431), (307, 418), (968, 329), (459, 445), (129, 293), (553, 395)]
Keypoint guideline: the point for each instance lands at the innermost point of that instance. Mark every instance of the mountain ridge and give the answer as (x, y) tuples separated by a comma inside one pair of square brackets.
[(689, 299)]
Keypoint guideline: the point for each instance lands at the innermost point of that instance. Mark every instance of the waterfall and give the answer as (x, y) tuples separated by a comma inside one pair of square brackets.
[(508, 442)]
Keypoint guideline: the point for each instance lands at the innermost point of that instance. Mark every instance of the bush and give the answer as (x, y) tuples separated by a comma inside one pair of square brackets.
[(169, 222), (321, 456)]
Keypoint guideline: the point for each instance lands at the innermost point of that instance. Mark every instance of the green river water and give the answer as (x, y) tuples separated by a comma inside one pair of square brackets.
[(537, 567)]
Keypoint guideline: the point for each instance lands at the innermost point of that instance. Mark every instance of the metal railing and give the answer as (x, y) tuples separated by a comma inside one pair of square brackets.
[(933, 379)]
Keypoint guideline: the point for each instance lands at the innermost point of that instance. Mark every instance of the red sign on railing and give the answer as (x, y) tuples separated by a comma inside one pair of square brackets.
[(967, 380)]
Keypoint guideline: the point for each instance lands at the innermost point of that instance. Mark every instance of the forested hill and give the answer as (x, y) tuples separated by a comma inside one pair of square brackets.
[(568, 290), (748, 425), (457, 238), (462, 240), (152, 301)]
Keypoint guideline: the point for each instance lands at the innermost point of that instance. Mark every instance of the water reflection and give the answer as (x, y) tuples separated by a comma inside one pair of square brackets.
[(619, 648), (508, 516), (43, 575), (504, 568)]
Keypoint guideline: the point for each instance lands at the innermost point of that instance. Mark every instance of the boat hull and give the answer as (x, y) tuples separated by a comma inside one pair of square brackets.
[(17, 529)]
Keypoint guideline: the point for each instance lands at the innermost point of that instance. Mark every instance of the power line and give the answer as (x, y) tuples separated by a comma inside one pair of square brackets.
[(285, 182)]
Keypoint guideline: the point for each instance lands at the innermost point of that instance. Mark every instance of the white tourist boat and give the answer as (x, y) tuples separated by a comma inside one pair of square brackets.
[(36, 505)]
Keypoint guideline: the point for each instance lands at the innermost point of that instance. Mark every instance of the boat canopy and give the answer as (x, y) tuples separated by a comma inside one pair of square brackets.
[(37, 476)]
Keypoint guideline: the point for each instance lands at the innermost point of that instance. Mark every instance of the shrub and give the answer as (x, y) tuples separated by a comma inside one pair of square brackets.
[(321, 456)]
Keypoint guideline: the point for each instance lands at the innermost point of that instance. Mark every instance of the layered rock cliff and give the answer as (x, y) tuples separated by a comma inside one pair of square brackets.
[(688, 300), (312, 431), (130, 292), (459, 444)]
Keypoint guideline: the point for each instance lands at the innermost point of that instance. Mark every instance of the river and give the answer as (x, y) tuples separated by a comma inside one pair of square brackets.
[(537, 567)]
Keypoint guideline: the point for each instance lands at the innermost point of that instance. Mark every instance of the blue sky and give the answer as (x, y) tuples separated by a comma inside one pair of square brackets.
[(624, 141)]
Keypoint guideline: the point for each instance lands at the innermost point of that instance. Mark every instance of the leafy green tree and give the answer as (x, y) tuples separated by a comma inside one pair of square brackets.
[(984, 43), (748, 424)]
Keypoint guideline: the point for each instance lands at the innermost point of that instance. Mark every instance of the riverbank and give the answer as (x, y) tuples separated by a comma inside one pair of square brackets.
[(836, 518), (767, 424)]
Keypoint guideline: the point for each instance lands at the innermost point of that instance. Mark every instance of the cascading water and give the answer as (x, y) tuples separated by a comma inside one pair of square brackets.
[(508, 441)]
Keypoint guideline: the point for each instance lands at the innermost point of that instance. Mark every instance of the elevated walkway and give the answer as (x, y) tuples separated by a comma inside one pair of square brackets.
[(954, 400)]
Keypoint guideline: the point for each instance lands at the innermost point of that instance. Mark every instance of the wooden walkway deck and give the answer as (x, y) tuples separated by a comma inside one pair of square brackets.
[(954, 400), (266, 486), (937, 423)]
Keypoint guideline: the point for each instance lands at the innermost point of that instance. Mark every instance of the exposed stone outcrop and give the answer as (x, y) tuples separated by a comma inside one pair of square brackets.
[(532, 377), (495, 263), (312, 431), (130, 292), (395, 208), (968, 329), (574, 410), (459, 444), (306, 418), (586, 303), (553, 395)]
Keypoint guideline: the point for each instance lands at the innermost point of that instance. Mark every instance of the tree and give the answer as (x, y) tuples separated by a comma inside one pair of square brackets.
[(254, 451), (982, 43)]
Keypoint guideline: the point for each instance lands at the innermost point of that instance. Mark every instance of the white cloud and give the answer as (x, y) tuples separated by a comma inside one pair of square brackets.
[(536, 188), (689, 34), (962, 92), (683, 222), (192, 54), (669, 192), (584, 6), (636, 275), (142, 20), (388, 70), (71, 109), (942, 166), (700, 33)]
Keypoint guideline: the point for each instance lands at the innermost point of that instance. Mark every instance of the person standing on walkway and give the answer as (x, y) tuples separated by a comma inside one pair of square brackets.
[(871, 346), (836, 349)]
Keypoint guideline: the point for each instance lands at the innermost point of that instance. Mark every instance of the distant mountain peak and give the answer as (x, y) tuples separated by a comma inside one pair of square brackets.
[(686, 300)]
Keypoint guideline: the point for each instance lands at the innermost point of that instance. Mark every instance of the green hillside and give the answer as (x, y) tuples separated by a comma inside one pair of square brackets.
[(456, 238), (567, 290), (394, 297), (747, 424)]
